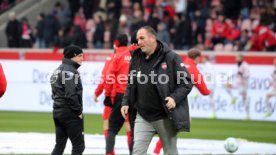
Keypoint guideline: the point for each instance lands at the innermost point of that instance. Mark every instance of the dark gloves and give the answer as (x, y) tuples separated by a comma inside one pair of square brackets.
[(107, 101)]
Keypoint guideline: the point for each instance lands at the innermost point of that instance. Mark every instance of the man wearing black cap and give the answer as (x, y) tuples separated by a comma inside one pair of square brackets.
[(67, 95)]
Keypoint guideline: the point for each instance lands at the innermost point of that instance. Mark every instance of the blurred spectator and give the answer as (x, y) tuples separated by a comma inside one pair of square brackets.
[(138, 21), (39, 36), (153, 20), (7, 4), (123, 27), (89, 7), (89, 31), (243, 40), (137, 1), (61, 14), (208, 41), (219, 30), (200, 17), (79, 19), (62, 40), (181, 33), (74, 6), (51, 27), (168, 8), (107, 39), (114, 8), (13, 31), (255, 13), (149, 5), (180, 6), (191, 8), (252, 44), (99, 32), (231, 8), (246, 6), (26, 39), (162, 34), (266, 38), (233, 33), (79, 38), (126, 7), (4, 4)]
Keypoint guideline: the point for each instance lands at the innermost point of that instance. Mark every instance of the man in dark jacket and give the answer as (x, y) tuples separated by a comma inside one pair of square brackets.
[(13, 31), (67, 95), (158, 87)]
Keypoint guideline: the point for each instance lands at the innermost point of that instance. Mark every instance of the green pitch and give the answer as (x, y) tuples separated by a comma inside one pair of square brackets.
[(200, 128)]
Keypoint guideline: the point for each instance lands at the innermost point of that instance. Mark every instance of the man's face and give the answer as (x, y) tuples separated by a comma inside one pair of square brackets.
[(145, 41), (78, 59)]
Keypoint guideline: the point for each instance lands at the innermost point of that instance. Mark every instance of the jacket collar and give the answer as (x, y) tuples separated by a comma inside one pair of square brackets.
[(70, 62), (163, 49), (189, 61), (121, 49)]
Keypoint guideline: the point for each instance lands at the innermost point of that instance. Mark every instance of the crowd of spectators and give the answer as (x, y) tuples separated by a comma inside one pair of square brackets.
[(219, 25)]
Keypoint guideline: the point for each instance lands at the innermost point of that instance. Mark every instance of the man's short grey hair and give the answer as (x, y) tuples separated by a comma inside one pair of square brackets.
[(150, 30)]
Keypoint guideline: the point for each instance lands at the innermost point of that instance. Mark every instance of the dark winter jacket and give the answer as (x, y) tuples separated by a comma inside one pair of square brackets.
[(67, 87), (178, 86)]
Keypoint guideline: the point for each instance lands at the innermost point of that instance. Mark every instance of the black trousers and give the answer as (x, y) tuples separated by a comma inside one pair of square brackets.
[(68, 125), (115, 123)]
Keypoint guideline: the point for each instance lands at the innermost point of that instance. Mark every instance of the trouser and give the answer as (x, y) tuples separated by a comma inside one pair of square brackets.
[(144, 131), (68, 125), (131, 117), (116, 121)]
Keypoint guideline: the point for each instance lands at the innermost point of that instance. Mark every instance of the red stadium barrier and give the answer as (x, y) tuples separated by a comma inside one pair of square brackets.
[(9, 55), (96, 56), (100, 55), (42, 56), (261, 60)]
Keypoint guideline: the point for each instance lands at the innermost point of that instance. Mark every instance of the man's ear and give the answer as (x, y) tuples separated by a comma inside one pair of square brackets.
[(152, 38)]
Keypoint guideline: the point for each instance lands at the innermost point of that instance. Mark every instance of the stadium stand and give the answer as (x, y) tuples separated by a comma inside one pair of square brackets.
[(199, 23)]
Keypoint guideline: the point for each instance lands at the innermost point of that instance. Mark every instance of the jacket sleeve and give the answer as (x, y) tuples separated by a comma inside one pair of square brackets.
[(199, 81), (110, 79), (126, 98), (3, 82), (101, 86), (183, 78), (71, 92)]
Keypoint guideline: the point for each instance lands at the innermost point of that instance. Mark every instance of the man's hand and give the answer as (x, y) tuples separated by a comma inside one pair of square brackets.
[(80, 116), (95, 99), (170, 103), (124, 111), (107, 101)]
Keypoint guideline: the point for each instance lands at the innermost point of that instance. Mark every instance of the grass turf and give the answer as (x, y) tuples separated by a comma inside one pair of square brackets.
[(200, 128)]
